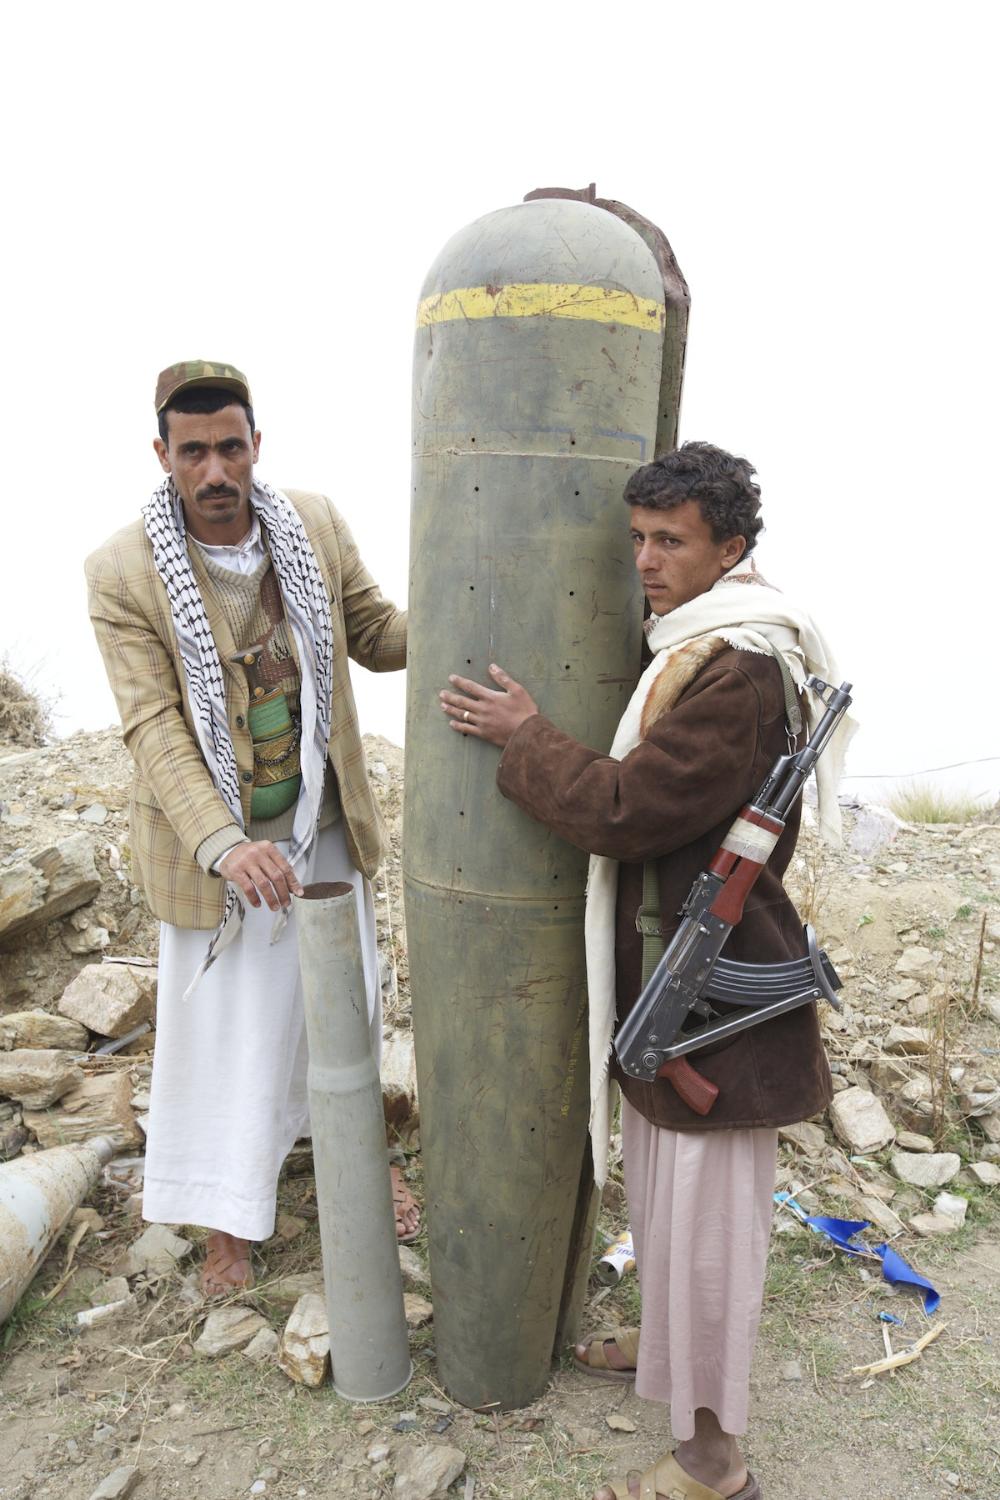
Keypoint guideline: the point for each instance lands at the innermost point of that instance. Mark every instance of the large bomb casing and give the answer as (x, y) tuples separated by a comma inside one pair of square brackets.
[(538, 389)]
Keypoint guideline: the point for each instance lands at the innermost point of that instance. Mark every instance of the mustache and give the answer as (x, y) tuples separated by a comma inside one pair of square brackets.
[(216, 492)]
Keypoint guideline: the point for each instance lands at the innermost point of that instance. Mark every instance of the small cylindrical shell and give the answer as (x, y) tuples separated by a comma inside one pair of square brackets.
[(369, 1348)]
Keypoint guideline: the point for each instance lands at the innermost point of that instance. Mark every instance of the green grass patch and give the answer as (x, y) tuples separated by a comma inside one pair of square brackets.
[(919, 802)]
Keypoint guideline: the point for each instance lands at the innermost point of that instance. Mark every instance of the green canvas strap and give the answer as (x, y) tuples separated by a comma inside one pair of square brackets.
[(648, 921)]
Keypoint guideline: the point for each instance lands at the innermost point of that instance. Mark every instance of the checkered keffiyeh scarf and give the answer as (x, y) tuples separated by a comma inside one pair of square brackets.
[(307, 611)]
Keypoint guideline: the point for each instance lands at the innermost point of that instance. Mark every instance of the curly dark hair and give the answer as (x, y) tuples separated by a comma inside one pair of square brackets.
[(722, 484)]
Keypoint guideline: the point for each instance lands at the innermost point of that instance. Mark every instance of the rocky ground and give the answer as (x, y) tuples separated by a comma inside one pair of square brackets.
[(115, 1377)]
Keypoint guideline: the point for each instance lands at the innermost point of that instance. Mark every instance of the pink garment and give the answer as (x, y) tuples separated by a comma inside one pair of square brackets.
[(700, 1204)]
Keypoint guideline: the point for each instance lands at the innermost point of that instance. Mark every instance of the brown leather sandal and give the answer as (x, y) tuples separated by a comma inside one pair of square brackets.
[(596, 1361), (221, 1257), (668, 1481), (403, 1199)]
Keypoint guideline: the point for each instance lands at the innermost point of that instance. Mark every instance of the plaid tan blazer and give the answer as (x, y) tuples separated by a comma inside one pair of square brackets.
[(175, 806)]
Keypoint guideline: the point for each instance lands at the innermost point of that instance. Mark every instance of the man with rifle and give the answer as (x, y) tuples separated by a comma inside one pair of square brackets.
[(719, 703)]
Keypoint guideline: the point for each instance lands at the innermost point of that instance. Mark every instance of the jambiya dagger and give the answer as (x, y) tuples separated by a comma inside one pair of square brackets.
[(677, 1012)]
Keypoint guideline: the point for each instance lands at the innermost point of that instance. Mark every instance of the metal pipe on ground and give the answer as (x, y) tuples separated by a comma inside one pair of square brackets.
[(37, 1195), (369, 1347)]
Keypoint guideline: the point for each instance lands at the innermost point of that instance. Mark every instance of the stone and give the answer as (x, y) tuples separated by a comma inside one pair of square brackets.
[(860, 1121), (285, 1291), (100, 1105), (952, 1206), (424, 1473), (990, 1126), (791, 1370), (412, 1267), (119, 1483), (879, 1213), (985, 1172), (981, 1097), (38, 1076), (226, 1330), (378, 1452), (263, 1346), (89, 939), (874, 829), (909, 1140), (46, 885), (12, 1138), (904, 989), (304, 1351), (156, 1251), (618, 1423), (909, 1041), (417, 1309), (807, 1137), (398, 1074), (115, 1289), (889, 1072), (36, 1028), (919, 1006), (930, 1171), (914, 961), (991, 1005), (95, 813), (111, 999), (287, 1226), (927, 1225)]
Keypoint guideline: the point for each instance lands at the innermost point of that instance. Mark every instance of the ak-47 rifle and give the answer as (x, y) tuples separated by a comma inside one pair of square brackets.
[(691, 978)]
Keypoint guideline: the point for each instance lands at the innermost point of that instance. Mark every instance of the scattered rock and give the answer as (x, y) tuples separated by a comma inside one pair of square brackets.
[(791, 1370), (304, 1352), (285, 1291), (100, 1105), (910, 1041), (618, 1423), (113, 1290), (903, 989), (927, 1225), (807, 1137), (884, 1217), (952, 1206), (156, 1251), (424, 1473), (985, 1172), (412, 1267), (289, 1226), (925, 1171), (36, 1028), (227, 1329), (262, 1346), (909, 1140), (47, 885), (914, 961), (378, 1452), (418, 1310), (991, 1005), (118, 1484), (860, 1120), (111, 999), (38, 1076)]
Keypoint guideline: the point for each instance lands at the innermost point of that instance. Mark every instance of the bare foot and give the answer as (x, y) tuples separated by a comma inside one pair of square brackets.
[(405, 1205), (227, 1265)]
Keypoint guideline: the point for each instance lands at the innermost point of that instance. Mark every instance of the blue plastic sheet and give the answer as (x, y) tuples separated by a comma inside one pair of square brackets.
[(844, 1234)]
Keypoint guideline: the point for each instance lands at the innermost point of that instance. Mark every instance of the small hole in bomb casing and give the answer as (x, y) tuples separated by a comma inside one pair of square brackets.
[(461, 813), (472, 588), (476, 488), (567, 666), (576, 492), (572, 592)]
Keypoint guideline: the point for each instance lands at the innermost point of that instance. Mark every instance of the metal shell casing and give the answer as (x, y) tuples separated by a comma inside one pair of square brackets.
[(538, 366)]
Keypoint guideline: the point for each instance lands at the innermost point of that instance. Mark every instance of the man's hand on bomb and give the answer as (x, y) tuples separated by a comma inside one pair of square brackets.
[(488, 713)]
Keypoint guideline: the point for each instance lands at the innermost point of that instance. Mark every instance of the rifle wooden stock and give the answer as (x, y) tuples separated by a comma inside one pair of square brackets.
[(693, 1087)]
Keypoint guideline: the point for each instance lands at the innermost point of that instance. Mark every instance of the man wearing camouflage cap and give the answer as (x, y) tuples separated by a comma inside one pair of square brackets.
[(226, 617)]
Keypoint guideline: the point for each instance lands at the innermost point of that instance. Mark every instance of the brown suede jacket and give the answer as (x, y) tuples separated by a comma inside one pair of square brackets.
[(673, 799)]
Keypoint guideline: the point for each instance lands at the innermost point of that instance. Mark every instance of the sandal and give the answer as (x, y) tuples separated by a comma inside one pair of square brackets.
[(595, 1362), (668, 1481), (402, 1200), (221, 1255)]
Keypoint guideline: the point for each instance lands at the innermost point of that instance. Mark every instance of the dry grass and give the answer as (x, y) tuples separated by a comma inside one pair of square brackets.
[(25, 718), (919, 802)]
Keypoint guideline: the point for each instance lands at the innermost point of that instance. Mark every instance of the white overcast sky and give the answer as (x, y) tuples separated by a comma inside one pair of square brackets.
[(268, 184)]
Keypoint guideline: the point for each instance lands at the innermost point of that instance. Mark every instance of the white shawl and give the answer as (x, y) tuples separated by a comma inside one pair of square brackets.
[(747, 614)]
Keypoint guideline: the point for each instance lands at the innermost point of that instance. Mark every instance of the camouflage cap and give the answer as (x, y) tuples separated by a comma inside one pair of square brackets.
[(192, 372)]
